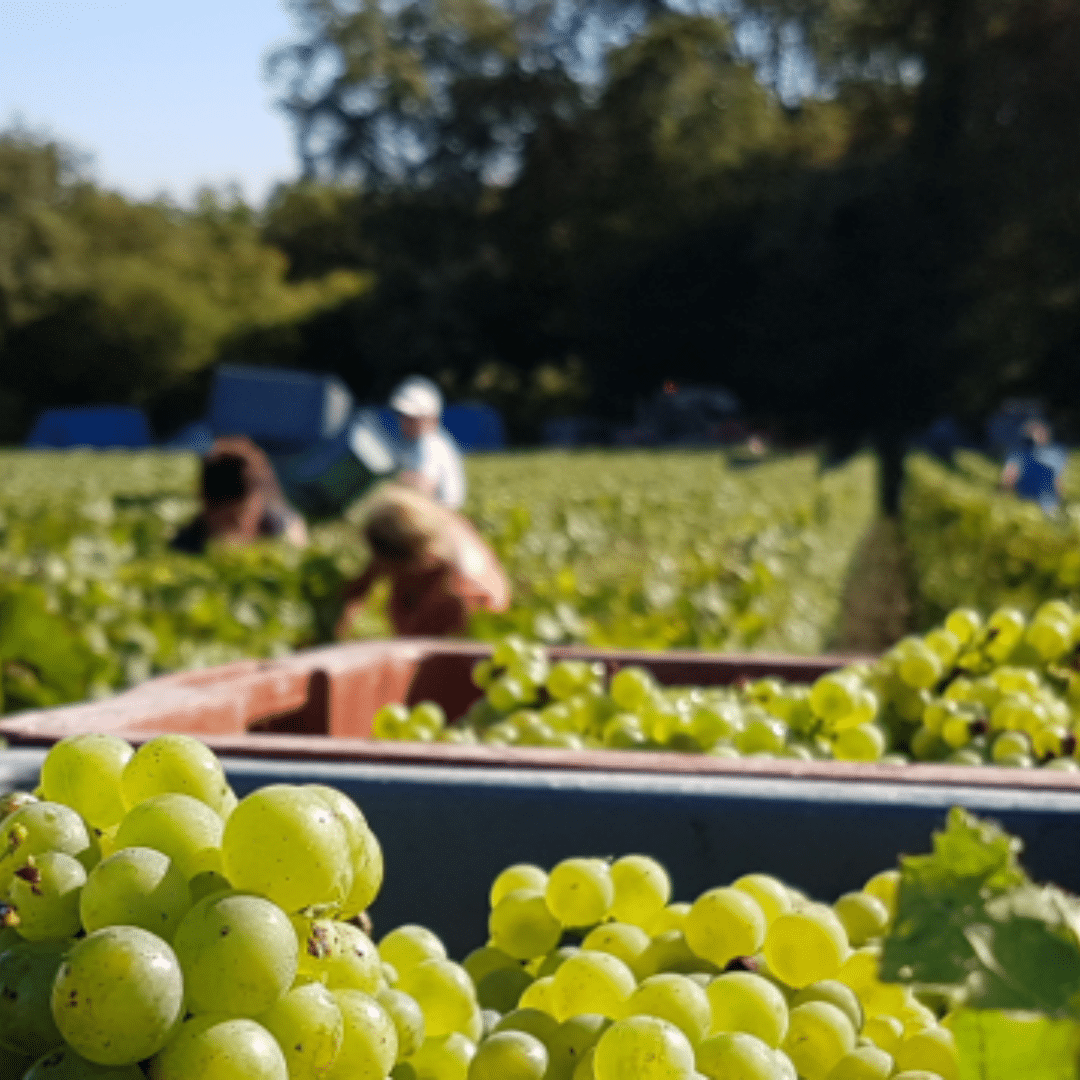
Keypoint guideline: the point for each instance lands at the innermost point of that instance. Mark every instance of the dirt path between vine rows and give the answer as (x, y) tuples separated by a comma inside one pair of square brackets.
[(877, 608)]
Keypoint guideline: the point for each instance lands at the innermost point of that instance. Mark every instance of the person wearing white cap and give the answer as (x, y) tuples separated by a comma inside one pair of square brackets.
[(427, 457)]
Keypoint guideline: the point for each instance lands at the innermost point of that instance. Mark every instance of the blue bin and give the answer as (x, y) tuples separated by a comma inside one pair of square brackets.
[(99, 426)]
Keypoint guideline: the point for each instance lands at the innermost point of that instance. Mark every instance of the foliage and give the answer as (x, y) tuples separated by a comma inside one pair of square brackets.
[(973, 545), (105, 300), (618, 549)]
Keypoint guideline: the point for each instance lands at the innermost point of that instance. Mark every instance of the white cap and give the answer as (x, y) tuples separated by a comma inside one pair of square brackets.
[(417, 397)]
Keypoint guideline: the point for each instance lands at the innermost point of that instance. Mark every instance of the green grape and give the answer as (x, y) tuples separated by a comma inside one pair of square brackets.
[(238, 953), (833, 696), (409, 945), (286, 844), (45, 895), (1005, 627), (677, 999), (338, 954), (118, 995), (444, 1057), (884, 1031), (583, 1070), (669, 951), (725, 923), (220, 1048), (920, 666), (482, 674), (864, 742), (623, 731), (369, 1048), (623, 940), (535, 1022), (631, 687), (428, 717), (309, 1028), (762, 734), (64, 1064), (771, 895), (591, 982), (364, 850), (712, 723), (502, 989), (572, 1040), (1051, 638), (390, 722), (863, 916), (933, 1049), (485, 960), (549, 964), (1009, 745), (672, 917), (944, 643), (743, 1001), (83, 772), (207, 882), (408, 1019), (522, 926), (36, 828), (136, 886), (512, 649), (819, 1035), (863, 1063), (644, 1047), (736, 1056), (964, 623), (27, 973), (509, 1055), (566, 678), (174, 763), (184, 828), (580, 891), (444, 992), (806, 946), (835, 993), (506, 693)]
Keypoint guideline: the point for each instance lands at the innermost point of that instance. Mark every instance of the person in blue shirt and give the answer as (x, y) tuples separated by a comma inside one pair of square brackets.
[(1033, 471)]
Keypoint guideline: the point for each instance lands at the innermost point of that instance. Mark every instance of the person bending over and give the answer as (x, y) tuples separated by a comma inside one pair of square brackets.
[(440, 570), (241, 501)]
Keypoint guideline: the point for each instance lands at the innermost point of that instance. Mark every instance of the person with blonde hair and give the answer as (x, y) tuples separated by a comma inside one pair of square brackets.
[(440, 570)]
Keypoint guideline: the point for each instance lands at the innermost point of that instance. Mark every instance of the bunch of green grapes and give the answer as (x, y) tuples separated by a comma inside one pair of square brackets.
[(592, 972), (1001, 691), (154, 922)]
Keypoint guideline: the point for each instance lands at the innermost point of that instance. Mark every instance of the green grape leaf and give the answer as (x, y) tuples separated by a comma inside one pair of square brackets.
[(995, 1045), (968, 919)]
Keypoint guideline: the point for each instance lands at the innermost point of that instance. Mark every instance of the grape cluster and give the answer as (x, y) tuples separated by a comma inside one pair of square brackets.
[(156, 927), (1002, 691)]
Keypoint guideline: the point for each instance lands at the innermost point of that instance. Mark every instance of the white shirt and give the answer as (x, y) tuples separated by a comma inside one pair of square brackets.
[(435, 457)]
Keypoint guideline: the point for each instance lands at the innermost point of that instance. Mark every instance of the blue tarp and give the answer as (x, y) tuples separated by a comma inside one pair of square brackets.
[(91, 425)]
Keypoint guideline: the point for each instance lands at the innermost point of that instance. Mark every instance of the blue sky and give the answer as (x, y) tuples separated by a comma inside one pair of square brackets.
[(165, 96)]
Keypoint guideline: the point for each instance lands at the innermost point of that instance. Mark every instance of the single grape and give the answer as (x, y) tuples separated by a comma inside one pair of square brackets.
[(502, 989), (933, 1049), (83, 772), (238, 953), (538, 995), (509, 1055), (884, 1031), (737, 1056), (571, 1041), (642, 889), (370, 1048), (863, 1063), (285, 843), (677, 999), (174, 763), (408, 1020), (444, 1057), (206, 882), (623, 940), (540, 1025), (27, 973), (408, 945), (644, 1047), (184, 828), (220, 1048), (806, 946), (669, 951), (672, 917), (64, 1064), (390, 721), (771, 894), (309, 1028), (136, 886), (364, 850), (863, 916), (522, 926), (580, 891), (118, 995), (819, 1035), (338, 954), (45, 895), (444, 992), (743, 1001), (835, 993), (864, 742), (485, 960), (725, 923), (427, 717), (591, 982), (36, 828)]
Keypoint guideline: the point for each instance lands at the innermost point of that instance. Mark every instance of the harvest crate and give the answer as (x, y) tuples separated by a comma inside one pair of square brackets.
[(450, 817)]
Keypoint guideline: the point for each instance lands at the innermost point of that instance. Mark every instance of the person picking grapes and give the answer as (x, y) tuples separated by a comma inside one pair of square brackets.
[(1034, 470), (427, 455), (440, 570)]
